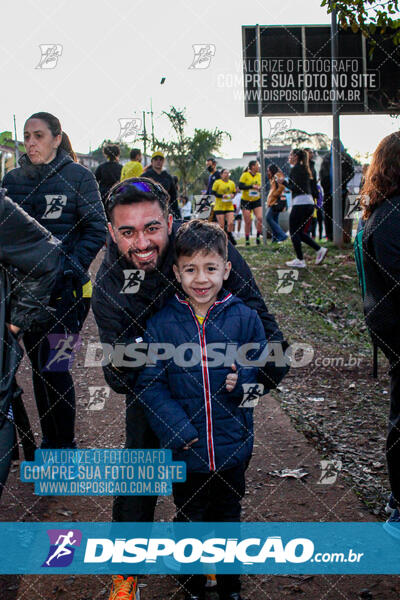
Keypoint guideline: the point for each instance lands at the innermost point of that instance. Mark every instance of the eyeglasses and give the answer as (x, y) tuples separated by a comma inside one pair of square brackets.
[(146, 187)]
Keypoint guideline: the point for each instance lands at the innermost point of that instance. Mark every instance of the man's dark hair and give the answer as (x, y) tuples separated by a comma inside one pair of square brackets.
[(214, 162), (126, 192), (134, 153), (200, 236)]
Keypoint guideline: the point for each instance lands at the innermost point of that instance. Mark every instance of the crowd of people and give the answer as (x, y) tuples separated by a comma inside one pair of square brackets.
[(191, 286)]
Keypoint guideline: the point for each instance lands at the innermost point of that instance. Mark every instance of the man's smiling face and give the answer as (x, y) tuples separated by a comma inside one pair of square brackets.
[(141, 232)]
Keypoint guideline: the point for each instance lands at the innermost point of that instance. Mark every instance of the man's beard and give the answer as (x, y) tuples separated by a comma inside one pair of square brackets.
[(150, 266)]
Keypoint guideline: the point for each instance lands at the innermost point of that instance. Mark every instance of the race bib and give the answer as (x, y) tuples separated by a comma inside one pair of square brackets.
[(254, 193)]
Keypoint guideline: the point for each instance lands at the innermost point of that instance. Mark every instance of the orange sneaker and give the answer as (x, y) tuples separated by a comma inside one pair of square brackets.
[(124, 589)]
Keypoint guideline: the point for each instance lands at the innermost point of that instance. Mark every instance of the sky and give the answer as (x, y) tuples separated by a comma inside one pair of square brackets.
[(112, 56)]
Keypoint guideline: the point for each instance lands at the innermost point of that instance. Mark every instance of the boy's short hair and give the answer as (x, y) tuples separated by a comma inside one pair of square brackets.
[(199, 235)]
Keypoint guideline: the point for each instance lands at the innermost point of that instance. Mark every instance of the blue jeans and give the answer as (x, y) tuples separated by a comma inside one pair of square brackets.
[(278, 234)]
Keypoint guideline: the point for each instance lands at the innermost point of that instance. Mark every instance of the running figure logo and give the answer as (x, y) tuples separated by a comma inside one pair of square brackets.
[(252, 393), (133, 279), (203, 54), (50, 53), (97, 397), (63, 348), (54, 206), (286, 280), (329, 471), (129, 129), (202, 206), (277, 125), (60, 552)]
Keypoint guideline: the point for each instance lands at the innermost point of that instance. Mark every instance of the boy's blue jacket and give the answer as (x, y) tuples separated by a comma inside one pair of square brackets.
[(187, 402)]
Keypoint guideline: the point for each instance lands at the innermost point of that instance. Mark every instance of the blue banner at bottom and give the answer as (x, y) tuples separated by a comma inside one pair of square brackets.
[(163, 548)]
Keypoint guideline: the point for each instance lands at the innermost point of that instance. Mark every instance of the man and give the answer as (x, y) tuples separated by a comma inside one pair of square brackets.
[(325, 176), (211, 166), (140, 248), (133, 168), (29, 259), (160, 175)]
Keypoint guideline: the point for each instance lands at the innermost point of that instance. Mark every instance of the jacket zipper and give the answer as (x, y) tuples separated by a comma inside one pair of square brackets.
[(206, 379)]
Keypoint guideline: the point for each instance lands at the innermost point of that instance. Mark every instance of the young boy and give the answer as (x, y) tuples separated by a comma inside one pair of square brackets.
[(196, 401)]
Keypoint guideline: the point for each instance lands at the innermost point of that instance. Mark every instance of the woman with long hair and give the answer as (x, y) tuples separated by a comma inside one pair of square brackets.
[(381, 257), (273, 203), (109, 172), (63, 196), (299, 182)]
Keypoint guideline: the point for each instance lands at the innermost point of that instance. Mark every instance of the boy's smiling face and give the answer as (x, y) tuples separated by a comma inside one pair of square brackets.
[(202, 276)]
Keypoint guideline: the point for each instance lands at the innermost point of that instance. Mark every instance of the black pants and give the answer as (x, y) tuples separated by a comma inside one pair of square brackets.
[(393, 438), (320, 220), (138, 435), (299, 215), (54, 394), (328, 213), (213, 497)]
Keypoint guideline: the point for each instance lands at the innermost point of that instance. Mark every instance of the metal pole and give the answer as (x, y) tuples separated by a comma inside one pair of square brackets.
[(144, 139), (337, 214), (262, 160), (16, 143), (152, 123)]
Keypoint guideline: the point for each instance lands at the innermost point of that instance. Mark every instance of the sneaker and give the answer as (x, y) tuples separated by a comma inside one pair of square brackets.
[(297, 263), (320, 255), (247, 242), (392, 525), (124, 589), (258, 241), (391, 505), (211, 581)]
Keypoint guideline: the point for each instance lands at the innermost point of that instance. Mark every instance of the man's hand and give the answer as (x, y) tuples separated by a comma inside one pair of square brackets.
[(13, 328), (190, 443), (231, 379)]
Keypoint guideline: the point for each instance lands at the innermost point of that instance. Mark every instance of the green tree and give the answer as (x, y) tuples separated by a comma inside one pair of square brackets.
[(297, 138), (187, 154), (236, 174), (97, 154), (368, 16)]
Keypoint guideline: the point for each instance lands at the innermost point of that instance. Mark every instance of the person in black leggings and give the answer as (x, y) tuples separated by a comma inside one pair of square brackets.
[(299, 182), (63, 196)]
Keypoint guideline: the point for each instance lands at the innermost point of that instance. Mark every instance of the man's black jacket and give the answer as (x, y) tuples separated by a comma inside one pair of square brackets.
[(121, 317), (165, 179), (29, 258), (381, 257)]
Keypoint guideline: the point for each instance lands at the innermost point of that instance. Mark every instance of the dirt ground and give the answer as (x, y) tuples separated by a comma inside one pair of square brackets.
[(279, 443)]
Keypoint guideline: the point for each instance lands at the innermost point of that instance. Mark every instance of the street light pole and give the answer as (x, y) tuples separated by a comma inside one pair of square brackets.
[(262, 160), (337, 214)]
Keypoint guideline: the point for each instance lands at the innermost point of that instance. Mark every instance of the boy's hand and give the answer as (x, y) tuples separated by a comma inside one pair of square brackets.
[(190, 443), (231, 379)]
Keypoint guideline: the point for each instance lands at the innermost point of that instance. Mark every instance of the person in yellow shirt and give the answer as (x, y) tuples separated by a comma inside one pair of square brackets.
[(134, 167), (250, 184), (224, 190)]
